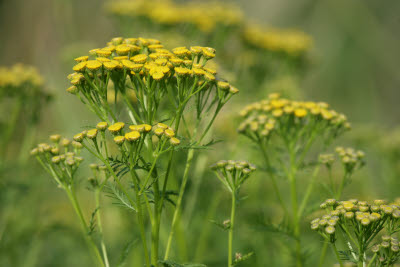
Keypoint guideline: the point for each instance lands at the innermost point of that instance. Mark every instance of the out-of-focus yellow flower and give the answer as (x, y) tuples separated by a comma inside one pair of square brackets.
[(292, 42)]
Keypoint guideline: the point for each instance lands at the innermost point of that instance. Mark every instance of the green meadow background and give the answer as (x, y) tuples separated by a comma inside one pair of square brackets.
[(355, 67)]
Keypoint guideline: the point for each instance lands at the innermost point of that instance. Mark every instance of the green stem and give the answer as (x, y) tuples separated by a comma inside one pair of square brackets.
[(156, 225), (78, 211), (99, 223), (372, 260), (341, 187), (293, 194), (308, 191), (337, 254), (274, 183), (179, 202), (231, 228), (323, 254), (140, 217), (13, 118)]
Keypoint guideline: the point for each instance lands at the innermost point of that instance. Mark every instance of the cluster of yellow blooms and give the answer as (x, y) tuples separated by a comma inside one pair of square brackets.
[(388, 251), (137, 132), (351, 159), (363, 218), (61, 156), (19, 75), (151, 70), (289, 118), (204, 15), (291, 42), (233, 173)]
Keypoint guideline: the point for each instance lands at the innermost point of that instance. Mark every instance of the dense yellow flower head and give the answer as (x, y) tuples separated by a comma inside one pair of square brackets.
[(292, 42), (277, 114), (18, 75), (204, 15)]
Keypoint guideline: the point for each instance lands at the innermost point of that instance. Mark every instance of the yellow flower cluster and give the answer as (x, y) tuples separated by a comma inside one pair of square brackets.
[(289, 118), (388, 251), (350, 158), (59, 154), (150, 71), (291, 42), (161, 129), (204, 15), (233, 173), (136, 132), (19, 75), (146, 58), (363, 217)]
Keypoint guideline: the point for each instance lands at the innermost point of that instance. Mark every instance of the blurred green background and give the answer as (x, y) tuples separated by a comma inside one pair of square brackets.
[(355, 68)]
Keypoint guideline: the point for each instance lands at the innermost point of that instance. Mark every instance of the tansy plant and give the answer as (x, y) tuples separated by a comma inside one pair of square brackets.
[(61, 159), (22, 97), (350, 159), (284, 131), (357, 225), (205, 21), (163, 83), (272, 53), (233, 174)]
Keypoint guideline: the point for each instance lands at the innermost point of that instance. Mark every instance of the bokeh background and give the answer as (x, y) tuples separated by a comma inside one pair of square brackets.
[(353, 65)]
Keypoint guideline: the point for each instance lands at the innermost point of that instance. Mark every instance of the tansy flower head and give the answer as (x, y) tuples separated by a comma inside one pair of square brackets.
[(132, 136), (119, 140), (93, 65), (102, 126), (116, 127)]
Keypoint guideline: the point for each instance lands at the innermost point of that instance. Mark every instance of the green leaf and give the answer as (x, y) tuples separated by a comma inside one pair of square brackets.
[(119, 198), (174, 264), (223, 226), (125, 252), (242, 258), (281, 228), (92, 223), (195, 145)]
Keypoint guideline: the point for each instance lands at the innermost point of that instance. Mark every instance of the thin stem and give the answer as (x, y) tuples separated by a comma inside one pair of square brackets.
[(141, 220), (308, 191), (179, 202), (231, 228), (274, 183), (323, 254), (293, 194), (99, 223), (372, 260), (78, 211), (337, 254), (341, 187)]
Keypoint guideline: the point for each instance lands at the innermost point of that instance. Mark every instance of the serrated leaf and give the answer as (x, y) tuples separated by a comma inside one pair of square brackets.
[(125, 252), (242, 258), (223, 226), (92, 223), (119, 198), (175, 264), (281, 228), (195, 145)]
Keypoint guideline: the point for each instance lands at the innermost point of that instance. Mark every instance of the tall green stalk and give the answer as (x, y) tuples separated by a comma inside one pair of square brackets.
[(92, 246), (231, 228)]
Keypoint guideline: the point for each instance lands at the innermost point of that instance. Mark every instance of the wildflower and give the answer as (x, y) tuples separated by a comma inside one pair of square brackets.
[(55, 138), (169, 133), (91, 134), (119, 140), (116, 127), (174, 141), (102, 126), (93, 65), (132, 136)]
